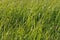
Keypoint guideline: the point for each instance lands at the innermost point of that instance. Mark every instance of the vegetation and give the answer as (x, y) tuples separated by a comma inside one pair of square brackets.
[(29, 19)]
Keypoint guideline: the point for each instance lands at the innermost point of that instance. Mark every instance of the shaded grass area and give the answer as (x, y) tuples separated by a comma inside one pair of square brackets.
[(29, 19)]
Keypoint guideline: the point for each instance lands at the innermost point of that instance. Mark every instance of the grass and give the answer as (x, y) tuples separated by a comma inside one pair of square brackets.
[(29, 19)]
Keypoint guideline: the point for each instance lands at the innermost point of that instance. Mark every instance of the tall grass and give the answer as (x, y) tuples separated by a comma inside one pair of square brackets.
[(29, 19)]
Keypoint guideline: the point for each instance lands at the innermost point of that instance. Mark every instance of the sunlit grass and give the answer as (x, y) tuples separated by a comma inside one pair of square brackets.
[(29, 19)]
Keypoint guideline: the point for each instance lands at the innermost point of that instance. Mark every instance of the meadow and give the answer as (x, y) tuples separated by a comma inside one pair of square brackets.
[(29, 19)]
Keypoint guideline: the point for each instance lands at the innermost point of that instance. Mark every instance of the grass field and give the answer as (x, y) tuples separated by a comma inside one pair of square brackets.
[(29, 19)]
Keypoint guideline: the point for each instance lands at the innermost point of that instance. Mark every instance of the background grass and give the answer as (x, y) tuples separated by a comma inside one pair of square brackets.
[(29, 19)]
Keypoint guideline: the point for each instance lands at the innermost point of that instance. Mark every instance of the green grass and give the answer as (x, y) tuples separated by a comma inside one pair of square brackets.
[(29, 19)]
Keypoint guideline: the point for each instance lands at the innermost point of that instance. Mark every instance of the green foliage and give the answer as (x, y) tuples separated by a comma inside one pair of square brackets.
[(29, 19)]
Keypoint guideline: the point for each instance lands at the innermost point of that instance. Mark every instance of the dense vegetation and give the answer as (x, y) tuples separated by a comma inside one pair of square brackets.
[(29, 19)]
